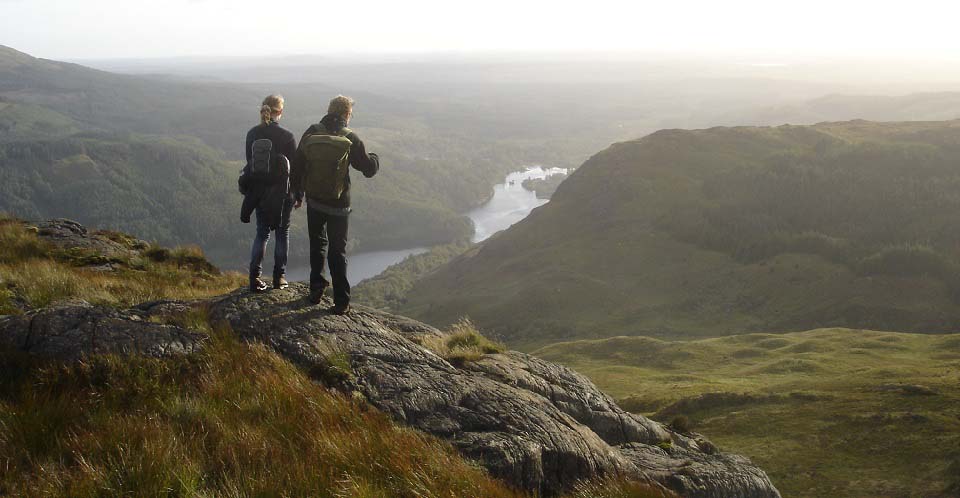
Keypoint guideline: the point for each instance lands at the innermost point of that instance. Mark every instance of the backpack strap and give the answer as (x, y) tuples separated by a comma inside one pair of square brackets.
[(320, 127)]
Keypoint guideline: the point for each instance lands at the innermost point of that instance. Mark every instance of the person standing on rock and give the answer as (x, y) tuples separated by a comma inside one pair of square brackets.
[(321, 173), (265, 184)]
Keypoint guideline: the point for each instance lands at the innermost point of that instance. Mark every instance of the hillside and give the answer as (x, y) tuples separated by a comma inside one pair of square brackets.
[(712, 232), (828, 412), (49, 109), (243, 394)]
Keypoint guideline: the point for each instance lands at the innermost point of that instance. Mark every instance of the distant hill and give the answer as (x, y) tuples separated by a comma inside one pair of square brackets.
[(105, 101), (51, 111), (161, 188), (923, 106), (712, 232)]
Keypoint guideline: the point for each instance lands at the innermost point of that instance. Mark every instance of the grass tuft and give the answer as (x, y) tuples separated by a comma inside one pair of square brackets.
[(618, 488), (463, 343)]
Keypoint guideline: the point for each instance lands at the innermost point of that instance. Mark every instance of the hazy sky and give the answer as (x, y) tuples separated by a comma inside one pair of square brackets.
[(154, 28)]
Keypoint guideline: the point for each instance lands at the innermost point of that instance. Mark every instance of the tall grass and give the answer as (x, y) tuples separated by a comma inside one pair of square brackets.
[(462, 343), (236, 420), (37, 274), (615, 488)]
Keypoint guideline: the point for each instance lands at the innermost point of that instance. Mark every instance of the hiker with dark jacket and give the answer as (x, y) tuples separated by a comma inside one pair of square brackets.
[(321, 173), (265, 183)]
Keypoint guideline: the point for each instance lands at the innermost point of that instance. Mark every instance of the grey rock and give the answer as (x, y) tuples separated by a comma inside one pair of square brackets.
[(538, 425), (69, 234), (72, 331)]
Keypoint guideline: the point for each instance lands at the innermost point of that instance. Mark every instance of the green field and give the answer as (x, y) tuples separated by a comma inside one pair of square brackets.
[(826, 413)]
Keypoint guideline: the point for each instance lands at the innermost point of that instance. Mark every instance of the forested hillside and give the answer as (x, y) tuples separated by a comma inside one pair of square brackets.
[(727, 230), (155, 154)]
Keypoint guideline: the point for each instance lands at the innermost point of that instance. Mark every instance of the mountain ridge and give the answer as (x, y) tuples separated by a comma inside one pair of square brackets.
[(724, 230)]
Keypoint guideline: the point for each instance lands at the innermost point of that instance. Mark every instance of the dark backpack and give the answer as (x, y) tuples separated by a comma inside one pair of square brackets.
[(328, 163), (264, 168), (261, 158)]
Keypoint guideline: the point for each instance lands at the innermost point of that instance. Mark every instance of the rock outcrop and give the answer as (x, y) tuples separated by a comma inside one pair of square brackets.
[(535, 424), (68, 234), (72, 331)]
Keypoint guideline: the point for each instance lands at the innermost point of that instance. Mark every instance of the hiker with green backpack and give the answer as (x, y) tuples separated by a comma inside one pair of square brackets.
[(321, 173)]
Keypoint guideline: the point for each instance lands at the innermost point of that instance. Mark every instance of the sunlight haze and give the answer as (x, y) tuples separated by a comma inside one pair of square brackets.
[(116, 28)]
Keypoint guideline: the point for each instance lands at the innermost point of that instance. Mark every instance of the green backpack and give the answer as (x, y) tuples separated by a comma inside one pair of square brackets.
[(328, 162)]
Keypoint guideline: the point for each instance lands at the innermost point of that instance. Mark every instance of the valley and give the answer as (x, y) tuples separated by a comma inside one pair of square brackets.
[(789, 291), (827, 412), (704, 233)]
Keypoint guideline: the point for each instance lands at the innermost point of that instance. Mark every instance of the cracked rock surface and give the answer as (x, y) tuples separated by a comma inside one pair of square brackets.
[(535, 424), (72, 331)]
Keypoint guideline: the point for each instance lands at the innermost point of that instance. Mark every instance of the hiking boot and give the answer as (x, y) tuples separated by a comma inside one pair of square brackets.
[(280, 282), (316, 296), (257, 285), (340, 309)]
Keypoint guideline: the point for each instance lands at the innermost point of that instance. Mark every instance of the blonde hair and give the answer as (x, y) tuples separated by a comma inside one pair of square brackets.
[(271, 108), (340, 105)]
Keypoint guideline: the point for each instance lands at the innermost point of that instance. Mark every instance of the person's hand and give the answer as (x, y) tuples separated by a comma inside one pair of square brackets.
[(298, 204)]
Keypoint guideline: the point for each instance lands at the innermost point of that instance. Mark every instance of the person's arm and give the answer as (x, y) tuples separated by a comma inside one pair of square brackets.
[(366, 163), (298, 170), (249, 148)]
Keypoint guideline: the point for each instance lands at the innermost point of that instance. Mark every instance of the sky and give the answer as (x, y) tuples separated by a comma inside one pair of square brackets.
[(79, 29)]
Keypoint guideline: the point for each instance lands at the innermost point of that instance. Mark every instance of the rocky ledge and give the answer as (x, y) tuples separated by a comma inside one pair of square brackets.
[(535, 424)]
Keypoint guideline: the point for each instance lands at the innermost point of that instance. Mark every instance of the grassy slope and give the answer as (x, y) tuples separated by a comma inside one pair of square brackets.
[(34, 273), (720, 231), (826, 415), (234, 420)]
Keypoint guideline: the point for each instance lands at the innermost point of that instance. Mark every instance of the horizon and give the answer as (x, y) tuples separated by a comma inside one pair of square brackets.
[(217, 28)]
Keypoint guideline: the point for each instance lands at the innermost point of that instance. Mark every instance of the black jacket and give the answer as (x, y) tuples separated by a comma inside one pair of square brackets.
[(268, 193), (368, 164)]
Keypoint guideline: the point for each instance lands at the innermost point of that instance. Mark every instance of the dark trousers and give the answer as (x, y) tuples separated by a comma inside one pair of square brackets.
[(263, 236), (327, 229)]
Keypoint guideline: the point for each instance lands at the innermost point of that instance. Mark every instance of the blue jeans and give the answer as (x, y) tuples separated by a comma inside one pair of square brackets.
[(263, 236)]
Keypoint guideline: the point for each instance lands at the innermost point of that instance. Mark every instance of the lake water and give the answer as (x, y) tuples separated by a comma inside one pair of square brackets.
[(510, 203), (362, 265)]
